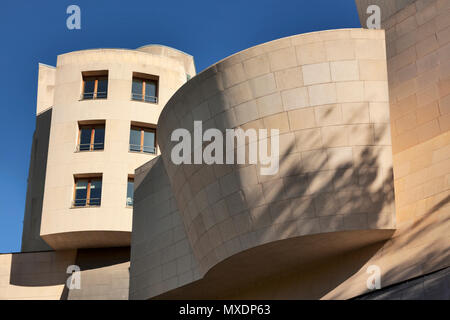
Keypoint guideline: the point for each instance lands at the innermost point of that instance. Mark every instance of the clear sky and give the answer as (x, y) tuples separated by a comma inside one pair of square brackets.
[(35, 31)]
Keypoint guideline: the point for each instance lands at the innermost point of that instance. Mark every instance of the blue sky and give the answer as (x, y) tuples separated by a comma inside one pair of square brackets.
[(210, 30)]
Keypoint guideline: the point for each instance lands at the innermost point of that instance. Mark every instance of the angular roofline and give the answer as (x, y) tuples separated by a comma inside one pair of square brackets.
[(46, 65)]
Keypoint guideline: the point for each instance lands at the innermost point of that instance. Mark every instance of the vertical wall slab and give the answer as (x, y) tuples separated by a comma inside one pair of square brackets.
[(31, 234), (161, 256), (418, 55)]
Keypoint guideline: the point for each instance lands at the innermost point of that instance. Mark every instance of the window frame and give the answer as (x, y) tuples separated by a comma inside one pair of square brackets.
[(94, 76), (88, 199), (92, 136), (142, 131), (145, 78)]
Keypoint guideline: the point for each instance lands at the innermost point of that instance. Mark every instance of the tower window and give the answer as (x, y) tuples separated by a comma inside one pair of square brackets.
[(95, 85), (144, 87), (88, 192), (91, 137), (142, 139)]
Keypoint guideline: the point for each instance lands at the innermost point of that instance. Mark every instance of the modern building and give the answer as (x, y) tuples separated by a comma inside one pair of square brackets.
[(97, 112), (362, 187)]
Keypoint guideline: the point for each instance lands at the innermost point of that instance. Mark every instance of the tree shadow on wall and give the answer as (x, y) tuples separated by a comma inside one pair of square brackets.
[(355, 195), (352, 195)]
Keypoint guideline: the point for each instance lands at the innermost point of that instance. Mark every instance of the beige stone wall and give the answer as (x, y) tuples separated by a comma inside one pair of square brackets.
[(110, 224), (172, 53), (43, 275), (418, 51), (31, 238), (161, 255), (418, 63), (327, 94), (104, 274), (31, 233), (418, 39), (35, 275), (45, 88)]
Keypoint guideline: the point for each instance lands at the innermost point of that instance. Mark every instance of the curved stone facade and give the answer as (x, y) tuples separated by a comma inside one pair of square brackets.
[(326, 92), (64, 226)]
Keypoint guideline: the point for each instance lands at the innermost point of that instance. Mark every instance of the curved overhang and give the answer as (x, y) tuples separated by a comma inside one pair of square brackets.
[(88, 239), (295, 255)]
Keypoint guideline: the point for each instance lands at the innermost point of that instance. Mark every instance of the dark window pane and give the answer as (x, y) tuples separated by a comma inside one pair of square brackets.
[(85, 139), (99, 138), (130, 193), (150, 91), (136, 89), (135, 140), (80, 193), (102, 88), (89, 86), (96, 193), (149, 141)]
